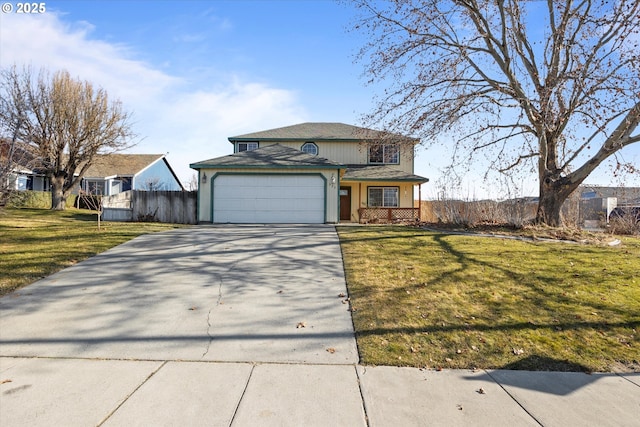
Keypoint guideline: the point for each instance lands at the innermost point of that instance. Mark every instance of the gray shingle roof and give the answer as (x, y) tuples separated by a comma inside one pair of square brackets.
[(379, 173), (105, 165), (320, 132), (270, 156)]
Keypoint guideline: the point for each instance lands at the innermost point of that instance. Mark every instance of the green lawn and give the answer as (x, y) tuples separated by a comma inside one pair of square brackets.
[(37, 242), (438, 300)]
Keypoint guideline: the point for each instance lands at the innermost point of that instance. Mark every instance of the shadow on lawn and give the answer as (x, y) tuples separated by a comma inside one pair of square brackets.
[(504, 327)]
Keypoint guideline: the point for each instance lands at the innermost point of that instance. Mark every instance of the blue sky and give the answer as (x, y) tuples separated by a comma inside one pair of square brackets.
[(196, 72)]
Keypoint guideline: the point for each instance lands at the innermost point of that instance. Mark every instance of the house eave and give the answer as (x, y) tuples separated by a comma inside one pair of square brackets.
[(408, 180), (197, 166)]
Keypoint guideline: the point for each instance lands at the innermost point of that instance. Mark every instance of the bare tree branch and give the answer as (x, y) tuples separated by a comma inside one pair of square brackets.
[(468, 67)]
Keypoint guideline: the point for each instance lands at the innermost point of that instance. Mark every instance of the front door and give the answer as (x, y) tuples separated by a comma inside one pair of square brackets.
[(345, 203)]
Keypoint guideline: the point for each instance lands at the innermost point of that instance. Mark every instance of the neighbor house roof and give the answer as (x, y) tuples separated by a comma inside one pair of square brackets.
[(321, 131), (379, 173), (275, 155), (105, 165)]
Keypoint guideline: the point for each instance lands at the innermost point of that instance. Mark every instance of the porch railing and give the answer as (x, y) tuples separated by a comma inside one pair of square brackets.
[(388, 215)]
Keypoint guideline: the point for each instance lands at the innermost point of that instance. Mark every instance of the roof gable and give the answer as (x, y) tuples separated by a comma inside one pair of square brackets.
[(321, 131), (275, 155)]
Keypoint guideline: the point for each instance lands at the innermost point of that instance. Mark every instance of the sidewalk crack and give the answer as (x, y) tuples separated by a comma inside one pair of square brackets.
[(217, 304)]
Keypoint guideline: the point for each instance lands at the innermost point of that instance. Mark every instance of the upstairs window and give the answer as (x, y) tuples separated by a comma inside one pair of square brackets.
[(247, 146), (310, 148), (384, 154)]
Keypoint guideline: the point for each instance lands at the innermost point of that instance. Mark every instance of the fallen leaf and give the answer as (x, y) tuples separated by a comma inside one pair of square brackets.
[(518, 351), (353, 309), (5, 381), (458, 351), (331, 350), (280, 291), (301, 325), (193, 308), (447, 359), (341, 295), (481, 391), (413, 349)]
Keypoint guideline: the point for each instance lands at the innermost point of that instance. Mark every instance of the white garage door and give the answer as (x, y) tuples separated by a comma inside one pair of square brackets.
[(258, 199)]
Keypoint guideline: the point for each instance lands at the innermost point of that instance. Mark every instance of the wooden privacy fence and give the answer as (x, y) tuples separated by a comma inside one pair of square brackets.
[(175, 207)]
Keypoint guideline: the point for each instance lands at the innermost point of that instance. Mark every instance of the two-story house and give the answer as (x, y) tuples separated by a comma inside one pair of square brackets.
[(310, 173)]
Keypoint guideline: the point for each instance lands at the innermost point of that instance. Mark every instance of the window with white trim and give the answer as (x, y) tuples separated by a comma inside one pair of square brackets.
[(384, 154), (383, 197), (246, 146), (310, 148)]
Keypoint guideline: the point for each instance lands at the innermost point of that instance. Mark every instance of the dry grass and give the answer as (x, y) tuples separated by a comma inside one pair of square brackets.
[(38, 242), (432, 299)]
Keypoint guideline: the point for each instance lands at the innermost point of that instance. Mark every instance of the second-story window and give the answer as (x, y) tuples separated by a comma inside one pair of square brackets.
[(310, 148), (247, 146), (384, 154)]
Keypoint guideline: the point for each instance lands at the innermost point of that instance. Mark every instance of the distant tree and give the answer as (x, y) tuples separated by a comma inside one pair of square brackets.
[(553, 86), (65, 120), (153, 184), (192, 183), (13, 159)]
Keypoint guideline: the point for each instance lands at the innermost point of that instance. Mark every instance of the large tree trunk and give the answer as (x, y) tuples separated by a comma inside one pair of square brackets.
[(553, 194), (58, 196), (549, 207)]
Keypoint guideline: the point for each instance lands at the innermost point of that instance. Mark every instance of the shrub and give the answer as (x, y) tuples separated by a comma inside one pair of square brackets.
[(625, 220), (34, 199)]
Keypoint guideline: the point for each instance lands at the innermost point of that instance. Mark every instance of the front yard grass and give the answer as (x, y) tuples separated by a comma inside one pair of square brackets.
[(35, 243), (438, 300)]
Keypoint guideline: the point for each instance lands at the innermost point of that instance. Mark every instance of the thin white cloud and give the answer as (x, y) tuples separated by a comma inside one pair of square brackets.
[(190, 125)]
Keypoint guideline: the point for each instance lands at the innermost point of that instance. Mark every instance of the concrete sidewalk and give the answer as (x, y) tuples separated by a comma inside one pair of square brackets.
[(243, 326), (89, 392)]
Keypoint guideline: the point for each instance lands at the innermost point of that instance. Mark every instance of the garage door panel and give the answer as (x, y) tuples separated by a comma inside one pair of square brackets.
[(254, 198)]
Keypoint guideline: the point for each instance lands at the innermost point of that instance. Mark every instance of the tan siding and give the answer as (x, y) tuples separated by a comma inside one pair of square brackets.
[(349, 153)]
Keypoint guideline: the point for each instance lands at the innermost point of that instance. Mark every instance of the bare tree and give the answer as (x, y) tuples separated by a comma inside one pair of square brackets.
[(551, 86), (91, 201), (67, 121), (192, 183), (15, 159)]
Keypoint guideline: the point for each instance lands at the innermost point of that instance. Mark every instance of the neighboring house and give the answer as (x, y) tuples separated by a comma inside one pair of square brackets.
[(624, 195), (20, 169), (310, 173), (598, 202), (111, 174)]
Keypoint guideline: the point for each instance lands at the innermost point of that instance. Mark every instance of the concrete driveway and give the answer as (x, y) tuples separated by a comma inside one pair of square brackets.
[(218, 293)]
